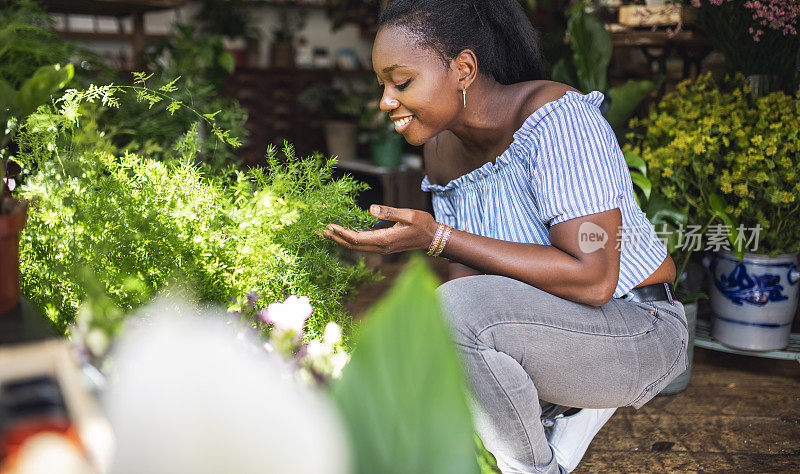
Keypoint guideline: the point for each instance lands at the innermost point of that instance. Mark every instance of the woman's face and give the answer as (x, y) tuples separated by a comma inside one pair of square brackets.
[(420, 93)]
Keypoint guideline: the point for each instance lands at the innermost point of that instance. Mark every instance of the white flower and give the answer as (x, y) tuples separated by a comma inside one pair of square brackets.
[(291, 314), (333, 334), (266, 420), (317, 350), (340, 359), (97, 341)]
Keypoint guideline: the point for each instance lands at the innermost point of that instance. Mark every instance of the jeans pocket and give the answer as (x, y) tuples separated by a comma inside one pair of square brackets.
[(632, 318)]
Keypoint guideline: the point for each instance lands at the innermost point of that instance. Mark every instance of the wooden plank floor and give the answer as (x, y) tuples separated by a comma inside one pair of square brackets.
[(739, 414)]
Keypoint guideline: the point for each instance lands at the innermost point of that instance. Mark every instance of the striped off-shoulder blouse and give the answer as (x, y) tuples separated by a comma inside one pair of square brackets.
[(563, 163)]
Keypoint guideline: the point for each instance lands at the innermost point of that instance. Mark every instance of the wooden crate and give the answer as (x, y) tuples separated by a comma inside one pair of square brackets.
[(664, 15)]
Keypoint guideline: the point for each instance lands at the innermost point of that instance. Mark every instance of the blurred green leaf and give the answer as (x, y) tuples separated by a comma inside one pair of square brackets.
[(486, 460), (591, 50), (641, 181), (226, 61), (635, 161), (625, 99), (660, 211), (7, 35), (402, 394), (7, 98), (37, 89), (564, 73)]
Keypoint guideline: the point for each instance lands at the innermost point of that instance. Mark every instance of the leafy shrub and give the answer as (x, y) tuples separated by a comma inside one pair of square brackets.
[(731, 155), (139, 223)]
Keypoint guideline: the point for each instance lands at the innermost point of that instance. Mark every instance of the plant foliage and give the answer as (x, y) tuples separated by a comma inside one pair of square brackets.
[(138, 223), (27, 42), (754, 36), (403, 394), (590, 44), (727, 155), (202, 64)]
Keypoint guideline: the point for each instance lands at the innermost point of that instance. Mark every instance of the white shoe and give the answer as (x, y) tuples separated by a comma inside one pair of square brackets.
[(571, 435)]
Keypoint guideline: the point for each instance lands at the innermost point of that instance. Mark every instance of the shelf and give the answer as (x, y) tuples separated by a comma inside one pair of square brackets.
[(286, 3), (298, 70), (119, 8), (629, 37), (109, 36), (702, 338)]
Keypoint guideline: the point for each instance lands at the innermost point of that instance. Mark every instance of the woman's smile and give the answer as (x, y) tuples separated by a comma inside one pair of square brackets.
[(402, 124)]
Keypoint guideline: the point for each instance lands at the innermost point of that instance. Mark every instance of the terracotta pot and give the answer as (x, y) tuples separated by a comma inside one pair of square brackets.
[(10, 227)]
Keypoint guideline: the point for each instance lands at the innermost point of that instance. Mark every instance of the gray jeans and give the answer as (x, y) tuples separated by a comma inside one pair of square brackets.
[(523, 347)]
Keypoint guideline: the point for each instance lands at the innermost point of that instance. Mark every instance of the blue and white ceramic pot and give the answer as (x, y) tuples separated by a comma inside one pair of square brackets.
[(754, 300)]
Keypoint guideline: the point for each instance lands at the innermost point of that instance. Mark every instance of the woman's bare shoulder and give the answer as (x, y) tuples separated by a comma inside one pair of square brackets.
[(440, 152), (539, 93)]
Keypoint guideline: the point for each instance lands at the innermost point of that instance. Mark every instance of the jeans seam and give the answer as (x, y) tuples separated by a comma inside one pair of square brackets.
[(519, 417), (669, 371), (479, 333)]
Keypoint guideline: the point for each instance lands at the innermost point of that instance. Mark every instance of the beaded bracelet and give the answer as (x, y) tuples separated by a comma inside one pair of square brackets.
[(436, 238), (443, 241)]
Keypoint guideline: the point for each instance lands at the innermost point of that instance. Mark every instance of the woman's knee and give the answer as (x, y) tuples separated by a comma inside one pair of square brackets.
[(460, 302), (469, 305)]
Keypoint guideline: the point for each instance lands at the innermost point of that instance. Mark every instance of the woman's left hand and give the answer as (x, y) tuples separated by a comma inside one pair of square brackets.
[(414, 230)]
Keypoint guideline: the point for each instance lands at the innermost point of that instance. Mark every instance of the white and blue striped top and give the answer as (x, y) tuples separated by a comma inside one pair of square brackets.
[(563, 163)]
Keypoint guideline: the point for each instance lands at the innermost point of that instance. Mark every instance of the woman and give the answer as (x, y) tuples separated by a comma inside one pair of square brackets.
[(565, 298)]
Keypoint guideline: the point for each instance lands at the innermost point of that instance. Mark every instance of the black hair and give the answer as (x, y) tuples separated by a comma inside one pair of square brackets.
[(497, 31)]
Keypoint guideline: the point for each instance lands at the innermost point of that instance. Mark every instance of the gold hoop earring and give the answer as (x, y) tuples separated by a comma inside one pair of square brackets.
[(464, 90)]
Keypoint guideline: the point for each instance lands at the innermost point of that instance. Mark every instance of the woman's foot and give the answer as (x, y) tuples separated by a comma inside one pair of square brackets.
[(570, 436)]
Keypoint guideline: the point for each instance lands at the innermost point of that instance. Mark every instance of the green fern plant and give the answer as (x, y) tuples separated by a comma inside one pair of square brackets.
[(139, 224)]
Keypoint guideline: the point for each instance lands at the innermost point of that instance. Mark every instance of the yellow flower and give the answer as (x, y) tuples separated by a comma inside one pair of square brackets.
[(741, 190), (699, 148), (771, 150)]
